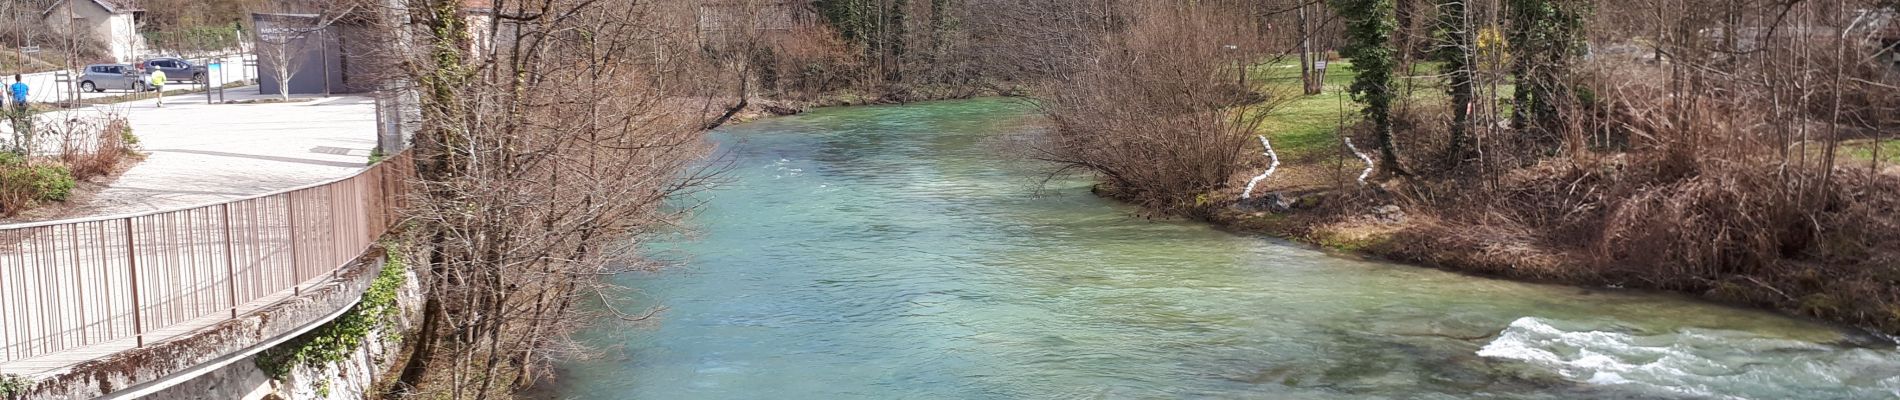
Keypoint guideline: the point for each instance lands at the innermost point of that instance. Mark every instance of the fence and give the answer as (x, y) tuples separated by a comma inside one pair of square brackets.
[(120, 282)]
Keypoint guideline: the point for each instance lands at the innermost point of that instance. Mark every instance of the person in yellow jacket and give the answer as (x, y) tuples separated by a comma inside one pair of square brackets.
[(158, 85)]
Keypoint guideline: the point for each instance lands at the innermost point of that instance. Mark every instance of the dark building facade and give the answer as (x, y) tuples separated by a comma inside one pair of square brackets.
[(325, 56)]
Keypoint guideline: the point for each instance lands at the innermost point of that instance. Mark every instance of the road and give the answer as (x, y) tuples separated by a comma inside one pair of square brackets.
[(46, 89)]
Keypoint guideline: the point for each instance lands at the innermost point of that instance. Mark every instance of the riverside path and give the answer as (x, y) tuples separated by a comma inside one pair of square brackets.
[(236, 208)]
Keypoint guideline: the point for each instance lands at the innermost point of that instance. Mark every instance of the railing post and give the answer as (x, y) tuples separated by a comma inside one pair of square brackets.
[(356, 211), (79, 278), (230, 261), (296, 267), (132, 261)]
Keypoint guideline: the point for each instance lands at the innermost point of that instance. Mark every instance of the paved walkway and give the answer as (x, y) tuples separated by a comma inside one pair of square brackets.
[(199, 154), (205, 153)]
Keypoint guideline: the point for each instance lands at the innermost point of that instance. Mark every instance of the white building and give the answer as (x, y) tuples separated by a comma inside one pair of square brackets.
[(110, 22)]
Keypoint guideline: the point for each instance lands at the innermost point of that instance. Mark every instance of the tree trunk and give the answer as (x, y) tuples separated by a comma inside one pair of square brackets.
[(436, 161), (1458, 56), (1406, 36), (939, 28), (1311, 81)]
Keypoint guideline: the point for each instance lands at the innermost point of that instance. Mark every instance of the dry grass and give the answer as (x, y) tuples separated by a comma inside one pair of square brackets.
[(84, 150), (98, 148), (1748, 180)]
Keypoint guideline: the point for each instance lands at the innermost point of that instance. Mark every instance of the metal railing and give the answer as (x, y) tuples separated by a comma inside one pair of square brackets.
[(122, 281)]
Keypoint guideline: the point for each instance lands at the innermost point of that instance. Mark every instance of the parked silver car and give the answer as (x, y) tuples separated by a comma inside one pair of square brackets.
[(103, 77), (176, 69)]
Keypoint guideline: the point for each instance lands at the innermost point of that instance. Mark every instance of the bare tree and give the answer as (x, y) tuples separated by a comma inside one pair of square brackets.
[(546, 153), (1150, 111), (284, 35)]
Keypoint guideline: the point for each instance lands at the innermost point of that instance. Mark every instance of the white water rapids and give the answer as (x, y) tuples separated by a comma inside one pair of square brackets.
[(1700, 362)]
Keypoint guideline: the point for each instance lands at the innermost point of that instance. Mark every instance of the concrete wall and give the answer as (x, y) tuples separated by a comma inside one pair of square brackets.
[(123, 38), (238, 381), (138, 369), (351, 379)]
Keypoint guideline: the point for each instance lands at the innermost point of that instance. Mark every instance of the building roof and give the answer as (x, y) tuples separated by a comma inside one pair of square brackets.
[(126, 5), (112, 6)]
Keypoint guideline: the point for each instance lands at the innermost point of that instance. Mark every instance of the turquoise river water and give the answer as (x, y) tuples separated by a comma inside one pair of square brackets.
[(896, 253)]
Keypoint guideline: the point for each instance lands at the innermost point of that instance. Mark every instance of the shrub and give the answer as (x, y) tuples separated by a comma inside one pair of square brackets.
[(195, 38), (1158, 117), (23, 185), (336, 341), (46, 182), (12, 386), (95, 148), (805, 62)]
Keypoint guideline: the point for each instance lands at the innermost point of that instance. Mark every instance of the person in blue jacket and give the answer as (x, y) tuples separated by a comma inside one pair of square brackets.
[(18, 112), (17, 92)]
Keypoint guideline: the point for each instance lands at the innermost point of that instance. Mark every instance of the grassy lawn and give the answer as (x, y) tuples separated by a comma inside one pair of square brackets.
[(1306, 125), (1863, 150)]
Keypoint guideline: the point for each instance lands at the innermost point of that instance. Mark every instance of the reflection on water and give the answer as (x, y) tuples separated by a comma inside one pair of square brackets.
[(890, 253)]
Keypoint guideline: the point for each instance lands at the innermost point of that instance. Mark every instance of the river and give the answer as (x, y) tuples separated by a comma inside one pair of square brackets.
[(897, 253)]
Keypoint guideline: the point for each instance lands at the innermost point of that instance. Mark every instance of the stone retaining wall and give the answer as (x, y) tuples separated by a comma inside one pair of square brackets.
[(157, 361)]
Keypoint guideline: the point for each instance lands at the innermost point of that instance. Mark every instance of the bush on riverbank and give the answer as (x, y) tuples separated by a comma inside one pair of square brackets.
[(1728, 183), (1155, 119), (1701, 197)]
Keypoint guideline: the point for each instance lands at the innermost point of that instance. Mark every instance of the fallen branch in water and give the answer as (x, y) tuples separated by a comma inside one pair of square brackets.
[(1270, 168)]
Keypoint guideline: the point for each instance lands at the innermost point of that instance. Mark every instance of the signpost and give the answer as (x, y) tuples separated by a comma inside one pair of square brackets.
[(211, 69), (64, 79), (250, 64)]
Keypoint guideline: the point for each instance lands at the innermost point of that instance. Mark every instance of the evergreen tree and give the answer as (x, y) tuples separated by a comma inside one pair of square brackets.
[(1545, 37), (1369, 27)]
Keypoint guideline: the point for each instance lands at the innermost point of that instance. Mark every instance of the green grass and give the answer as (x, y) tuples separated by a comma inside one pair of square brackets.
[(1864, 150), (1305, 125)]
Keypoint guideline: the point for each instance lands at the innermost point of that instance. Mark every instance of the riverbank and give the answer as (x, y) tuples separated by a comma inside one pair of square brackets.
[(879, 252), (1861, 293), (1630, 208), (780, 106), (1313, 199)]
